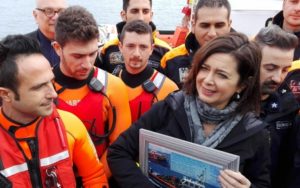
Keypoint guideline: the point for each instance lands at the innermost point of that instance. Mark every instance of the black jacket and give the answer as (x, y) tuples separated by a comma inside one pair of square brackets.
[(248, 139), (280, 111), (46, 47)]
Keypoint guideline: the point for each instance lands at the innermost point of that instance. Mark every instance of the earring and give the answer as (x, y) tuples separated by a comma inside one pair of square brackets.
[(237, 96)]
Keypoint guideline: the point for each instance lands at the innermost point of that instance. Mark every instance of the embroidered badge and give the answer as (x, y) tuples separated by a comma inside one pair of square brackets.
[(115, 58), (280, 125)]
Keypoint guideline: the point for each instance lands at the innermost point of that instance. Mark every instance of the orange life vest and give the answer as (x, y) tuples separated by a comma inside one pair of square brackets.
[(89, 110), (143, 102), (53, 157)]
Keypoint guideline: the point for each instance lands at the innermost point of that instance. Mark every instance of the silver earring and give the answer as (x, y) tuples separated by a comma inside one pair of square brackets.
[(238, 96)]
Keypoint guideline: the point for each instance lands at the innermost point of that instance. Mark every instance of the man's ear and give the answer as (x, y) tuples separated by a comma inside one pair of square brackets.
[(57, 48), (120, 46), (123, 15), (35, 16), (6, 94)]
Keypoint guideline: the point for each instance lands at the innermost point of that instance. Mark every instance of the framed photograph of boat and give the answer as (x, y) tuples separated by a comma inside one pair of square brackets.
[(171, 162)]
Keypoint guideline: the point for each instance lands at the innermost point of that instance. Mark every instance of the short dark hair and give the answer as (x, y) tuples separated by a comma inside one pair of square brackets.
[(274, 36), (12, 48), (248, 57), (126, 4), (212, 4), (75, 23), (137, 26)]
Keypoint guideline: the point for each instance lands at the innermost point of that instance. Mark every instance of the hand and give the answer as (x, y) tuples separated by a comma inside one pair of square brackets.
[(231, 179)]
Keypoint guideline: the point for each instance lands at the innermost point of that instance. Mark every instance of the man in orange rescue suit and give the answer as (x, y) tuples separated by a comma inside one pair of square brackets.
[(111, 58), (144, 84), (40, 145), (98, 98)]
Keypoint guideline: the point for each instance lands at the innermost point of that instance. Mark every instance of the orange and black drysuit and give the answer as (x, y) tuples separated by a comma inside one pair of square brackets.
[(177, 62), (42, 153), (145, 88), (104, 112), (111, 57)]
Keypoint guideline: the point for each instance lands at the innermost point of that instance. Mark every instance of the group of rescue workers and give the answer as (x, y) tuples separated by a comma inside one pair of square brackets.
[(70, 112)]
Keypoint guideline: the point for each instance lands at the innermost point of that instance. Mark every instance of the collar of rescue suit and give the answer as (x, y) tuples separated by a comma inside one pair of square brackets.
[(12, 125), (69, 82), (134, 80)]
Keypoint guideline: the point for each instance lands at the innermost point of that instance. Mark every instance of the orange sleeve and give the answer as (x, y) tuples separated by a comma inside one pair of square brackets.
[(83, 152), (168, 87), (118, 96)]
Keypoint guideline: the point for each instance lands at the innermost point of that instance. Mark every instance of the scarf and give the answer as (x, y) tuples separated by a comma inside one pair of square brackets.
[(199, 112)]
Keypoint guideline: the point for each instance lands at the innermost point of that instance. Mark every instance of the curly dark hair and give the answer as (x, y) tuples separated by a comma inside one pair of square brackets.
[(75, 24)]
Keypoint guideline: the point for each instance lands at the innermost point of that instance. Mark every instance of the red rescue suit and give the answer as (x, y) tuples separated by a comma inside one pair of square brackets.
[(144, 101), (91, 117), (53, 157)]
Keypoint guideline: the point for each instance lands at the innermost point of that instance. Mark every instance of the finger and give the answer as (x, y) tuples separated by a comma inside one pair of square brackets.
[(237, 176)]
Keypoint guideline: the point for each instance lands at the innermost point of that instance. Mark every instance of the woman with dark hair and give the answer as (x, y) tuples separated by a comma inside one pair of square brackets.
[(217, 108)]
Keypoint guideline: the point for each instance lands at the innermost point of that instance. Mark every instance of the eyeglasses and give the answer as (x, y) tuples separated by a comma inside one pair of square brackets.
[(49, 12)]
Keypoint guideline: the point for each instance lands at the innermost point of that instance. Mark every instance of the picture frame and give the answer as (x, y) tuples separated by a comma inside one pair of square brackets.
[(172, 162)]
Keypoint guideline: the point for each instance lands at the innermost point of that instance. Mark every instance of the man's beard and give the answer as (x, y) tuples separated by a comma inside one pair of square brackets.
[(269, 87)]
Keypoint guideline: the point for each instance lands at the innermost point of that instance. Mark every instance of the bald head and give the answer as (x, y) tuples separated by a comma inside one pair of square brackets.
[(50, 3), (45, 22)]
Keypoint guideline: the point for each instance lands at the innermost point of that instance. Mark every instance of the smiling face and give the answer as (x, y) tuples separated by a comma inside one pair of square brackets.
[(218, 80), (36, 92), (274, 68), (291, 14), (210, 23), (77, 58)]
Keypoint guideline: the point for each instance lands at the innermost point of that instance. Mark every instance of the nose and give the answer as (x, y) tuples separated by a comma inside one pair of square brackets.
[(140, 16), (51, 93), (136, 52), (278, 76), (86, 63), (212, 32), (208, 78)]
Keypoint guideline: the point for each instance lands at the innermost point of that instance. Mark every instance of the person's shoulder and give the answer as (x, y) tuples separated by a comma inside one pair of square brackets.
[(33, 34), (173, 54), (178, 51), (110, 43), (160, 43), (72, 123), (113, 82)]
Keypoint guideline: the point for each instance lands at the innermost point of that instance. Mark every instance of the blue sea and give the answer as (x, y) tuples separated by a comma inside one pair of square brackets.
[(16, 15)]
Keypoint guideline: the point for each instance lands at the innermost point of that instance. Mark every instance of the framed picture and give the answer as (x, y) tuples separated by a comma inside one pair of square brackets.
[(171, 162)]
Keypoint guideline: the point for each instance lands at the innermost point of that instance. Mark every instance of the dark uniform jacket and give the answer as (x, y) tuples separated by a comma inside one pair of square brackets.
[(111, 56), (248, 139), (177, 61), (279, 111), (46, 47)]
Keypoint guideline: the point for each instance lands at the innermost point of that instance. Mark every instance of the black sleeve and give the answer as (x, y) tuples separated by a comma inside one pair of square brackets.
[(258, 168), (123, 154)]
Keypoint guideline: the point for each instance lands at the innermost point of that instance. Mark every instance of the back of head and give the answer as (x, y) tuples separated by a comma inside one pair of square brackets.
[(12, 48), (248, 57), (274, 36), (126, 4), (212, 4), (75, 24), (137, 26)]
